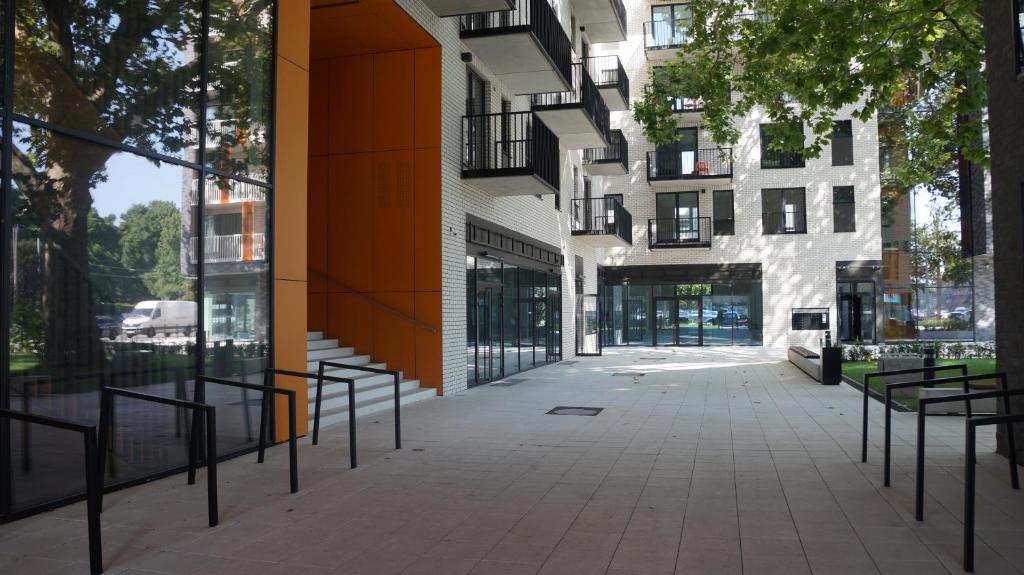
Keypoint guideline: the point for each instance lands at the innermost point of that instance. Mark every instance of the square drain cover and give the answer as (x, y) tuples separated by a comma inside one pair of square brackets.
[(508, 382), (566, 410)]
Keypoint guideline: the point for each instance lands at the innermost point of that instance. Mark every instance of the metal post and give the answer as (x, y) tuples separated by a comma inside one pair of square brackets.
[(264, 411), (969, 500), (398, 412), (106, 400), (919, 479), (293, 445), (929, 361), (211, 464), (1011, 444), (93, 486), (864, 430), (319, 398), (352, 423), (888, 438)]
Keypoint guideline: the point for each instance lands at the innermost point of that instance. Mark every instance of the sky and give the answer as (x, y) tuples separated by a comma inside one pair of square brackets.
[(135, 180)]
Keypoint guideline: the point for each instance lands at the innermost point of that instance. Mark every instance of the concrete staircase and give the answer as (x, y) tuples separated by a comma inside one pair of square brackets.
[(374, 392)]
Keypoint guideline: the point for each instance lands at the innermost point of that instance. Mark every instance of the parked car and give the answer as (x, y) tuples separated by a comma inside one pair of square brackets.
[(167, 317), (109, 326)]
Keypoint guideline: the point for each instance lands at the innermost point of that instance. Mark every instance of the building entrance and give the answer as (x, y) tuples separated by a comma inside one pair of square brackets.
[(678, 320)]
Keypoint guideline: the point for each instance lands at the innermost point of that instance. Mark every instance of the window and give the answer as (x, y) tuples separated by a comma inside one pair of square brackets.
[(722, 210), (669, 24), (842, 143), (777, 159), (784, 211), (678, 217), (844, 209), (679, 104), (1018, 36), (678, 158)]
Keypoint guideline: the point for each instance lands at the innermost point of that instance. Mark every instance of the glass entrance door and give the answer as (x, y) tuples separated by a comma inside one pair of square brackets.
[(488, 334), (856, 311), (678, 321)]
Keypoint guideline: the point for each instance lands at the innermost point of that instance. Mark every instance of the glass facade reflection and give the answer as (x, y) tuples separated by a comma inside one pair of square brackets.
[(682, 314), (137, 250), (513, 319)]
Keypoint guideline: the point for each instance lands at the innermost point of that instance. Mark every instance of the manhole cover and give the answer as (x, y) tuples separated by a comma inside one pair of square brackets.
[(508, 382), (629, 374), (565, 410)]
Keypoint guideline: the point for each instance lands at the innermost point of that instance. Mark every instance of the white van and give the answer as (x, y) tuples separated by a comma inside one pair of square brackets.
[(167, 317)]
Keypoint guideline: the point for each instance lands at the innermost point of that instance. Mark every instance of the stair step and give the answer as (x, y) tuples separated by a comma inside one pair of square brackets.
[(340, 414), (321, 344), (358, 374), (336, 395), (314, 364), (329, 353), (314, 335)]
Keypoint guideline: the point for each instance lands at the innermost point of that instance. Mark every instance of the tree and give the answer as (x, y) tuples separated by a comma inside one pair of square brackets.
[(151, 248), (801, 61)]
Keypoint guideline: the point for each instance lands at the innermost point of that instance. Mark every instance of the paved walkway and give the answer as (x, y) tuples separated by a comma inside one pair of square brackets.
[(714, 460)]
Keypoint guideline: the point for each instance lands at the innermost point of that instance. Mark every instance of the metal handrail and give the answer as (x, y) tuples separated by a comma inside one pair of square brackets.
[(320, 378), (608, 71), (106, 416), (695, 164), (372, 301), (682, 232), (583, 91), (509, 141), (617, 150), (602, 216), (93, 477), (398, 395), (199, 396), (784, 222), (969, 474)]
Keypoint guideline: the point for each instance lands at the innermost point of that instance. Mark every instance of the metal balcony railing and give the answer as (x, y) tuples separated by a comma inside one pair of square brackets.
[(689, 164), (602, 216), (607, 71), (230, 248), (617, 151), (536, 16), (786, 222), (236, 192), (666, 35), (679, 233), (511, 143), (584, 93)]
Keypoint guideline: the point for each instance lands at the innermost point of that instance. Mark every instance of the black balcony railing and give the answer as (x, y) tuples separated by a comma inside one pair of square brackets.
[(601, 216), (666, 35), (617, 151), (535, 16), (686, 105), (584, 93), (511, 143), (607, 72), (679, 233), (689, 164), (788, 222)]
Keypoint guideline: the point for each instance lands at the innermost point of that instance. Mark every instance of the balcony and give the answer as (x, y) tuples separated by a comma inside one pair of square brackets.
[(611, 80), (509, 154), (230, 248), (215, 192), (458, 7), (679, 233), (578, 117), (787, 222), (711, 166), (602, 223), (604, 20), (526, 48), (688, 111), (662, 39), (611, 160)]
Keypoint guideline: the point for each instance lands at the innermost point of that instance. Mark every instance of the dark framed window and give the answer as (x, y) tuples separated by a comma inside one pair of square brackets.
[(772, 159), (842, 143), (784, 210), (844, 209), (1018, 36), (723, 213), (670, 24)]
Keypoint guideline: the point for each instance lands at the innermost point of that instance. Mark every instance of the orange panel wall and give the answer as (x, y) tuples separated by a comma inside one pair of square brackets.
[(375, 205)]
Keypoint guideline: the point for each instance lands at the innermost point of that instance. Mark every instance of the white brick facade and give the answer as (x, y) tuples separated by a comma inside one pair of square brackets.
[(798, 271)]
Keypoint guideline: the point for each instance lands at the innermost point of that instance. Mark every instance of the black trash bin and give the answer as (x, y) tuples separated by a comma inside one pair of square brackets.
[(831, 365)]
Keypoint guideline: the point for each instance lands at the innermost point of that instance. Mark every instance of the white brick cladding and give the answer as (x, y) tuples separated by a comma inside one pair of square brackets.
[(798, 270)]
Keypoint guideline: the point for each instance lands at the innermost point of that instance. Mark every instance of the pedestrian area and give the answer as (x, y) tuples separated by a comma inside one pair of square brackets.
[(701, 461)]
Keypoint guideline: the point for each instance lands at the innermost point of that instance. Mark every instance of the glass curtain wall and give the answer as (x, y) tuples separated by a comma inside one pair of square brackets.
[(682, 314), (128, 126), (513, 319)]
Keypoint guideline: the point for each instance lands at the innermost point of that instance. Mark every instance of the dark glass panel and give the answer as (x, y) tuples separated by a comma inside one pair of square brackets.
[(510, 316), (100, 295), (240, 88), (842, 143), (844, 210), (126, 72), (526, 314), (470, 320)]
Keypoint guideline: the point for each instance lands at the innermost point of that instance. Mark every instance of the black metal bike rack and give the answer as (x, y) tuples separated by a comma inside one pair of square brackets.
[(93, 477), (265, 416), (320, 379), (969, 472), (1003, 393), (867, 394), (887, 401), (106, 415), (398, 395)]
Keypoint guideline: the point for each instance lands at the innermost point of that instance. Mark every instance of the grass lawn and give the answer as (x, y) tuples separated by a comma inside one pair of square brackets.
[(856, 370)]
